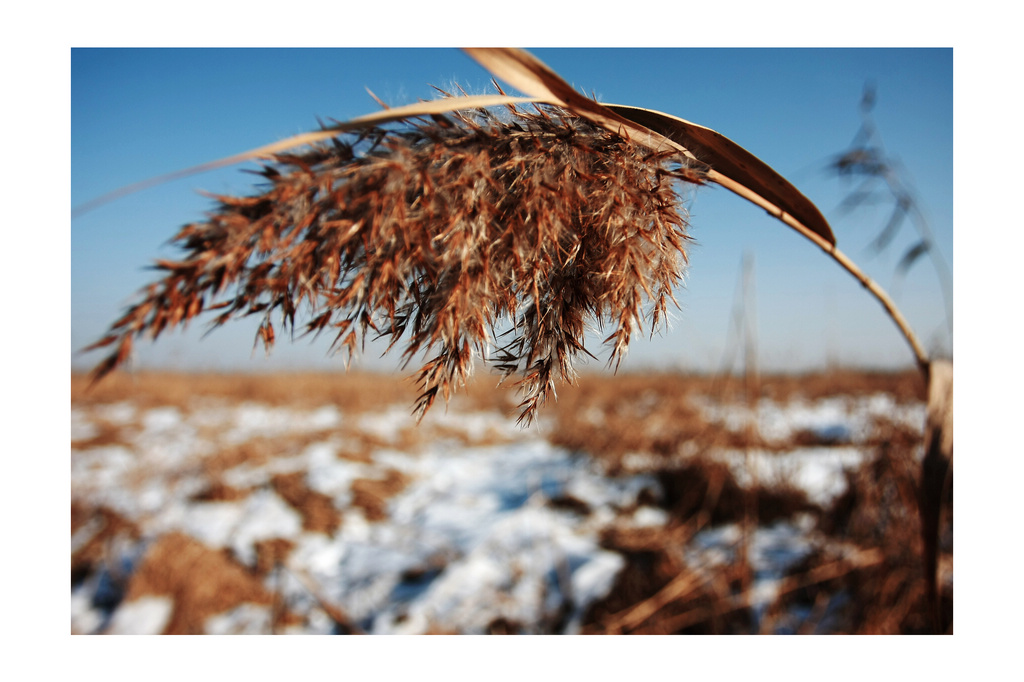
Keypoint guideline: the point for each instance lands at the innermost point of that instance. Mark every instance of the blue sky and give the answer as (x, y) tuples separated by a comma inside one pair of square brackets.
[(136, 114)]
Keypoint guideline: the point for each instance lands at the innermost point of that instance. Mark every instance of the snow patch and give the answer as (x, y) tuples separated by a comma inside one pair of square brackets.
[(143, 616), (246, 619), (818, 471)]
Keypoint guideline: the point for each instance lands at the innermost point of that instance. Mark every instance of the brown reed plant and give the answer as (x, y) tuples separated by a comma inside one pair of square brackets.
[(471, 235), (446, 228)]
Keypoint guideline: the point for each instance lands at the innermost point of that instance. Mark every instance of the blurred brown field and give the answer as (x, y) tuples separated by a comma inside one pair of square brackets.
[(362, 391), (867, 579)]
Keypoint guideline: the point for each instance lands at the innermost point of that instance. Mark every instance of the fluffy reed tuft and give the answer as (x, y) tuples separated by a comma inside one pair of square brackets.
[(467, 235)]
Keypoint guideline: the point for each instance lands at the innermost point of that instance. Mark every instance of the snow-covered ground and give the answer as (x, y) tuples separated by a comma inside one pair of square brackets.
[(482, 522), (845, 423)]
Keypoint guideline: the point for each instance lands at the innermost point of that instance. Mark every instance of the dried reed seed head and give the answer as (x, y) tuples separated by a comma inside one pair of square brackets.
[(465, 236)]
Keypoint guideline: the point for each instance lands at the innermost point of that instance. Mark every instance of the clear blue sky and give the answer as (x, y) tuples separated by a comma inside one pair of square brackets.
[(136, 114)]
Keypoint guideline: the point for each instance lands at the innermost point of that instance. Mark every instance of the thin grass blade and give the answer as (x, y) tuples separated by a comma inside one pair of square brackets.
[(426, 108)]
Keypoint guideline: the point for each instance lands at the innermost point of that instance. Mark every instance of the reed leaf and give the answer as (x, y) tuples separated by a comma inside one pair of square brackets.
[(733, 167), (387, 115), (777, 195)]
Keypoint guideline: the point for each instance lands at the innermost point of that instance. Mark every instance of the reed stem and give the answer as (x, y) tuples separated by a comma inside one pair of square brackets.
[(839, 257)]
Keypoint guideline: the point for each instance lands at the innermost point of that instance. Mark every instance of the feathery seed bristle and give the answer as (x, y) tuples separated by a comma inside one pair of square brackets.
[(442, 230)]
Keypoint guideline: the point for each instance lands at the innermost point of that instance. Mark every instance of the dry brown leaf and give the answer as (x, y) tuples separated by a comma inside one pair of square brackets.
[(530, 75), (757, 181), (733, 161)]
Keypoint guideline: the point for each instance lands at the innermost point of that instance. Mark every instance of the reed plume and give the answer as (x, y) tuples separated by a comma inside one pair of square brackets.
[(499, 235)]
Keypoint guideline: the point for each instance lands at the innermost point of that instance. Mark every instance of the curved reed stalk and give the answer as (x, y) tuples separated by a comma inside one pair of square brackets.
[(920, 356), (727, 164)]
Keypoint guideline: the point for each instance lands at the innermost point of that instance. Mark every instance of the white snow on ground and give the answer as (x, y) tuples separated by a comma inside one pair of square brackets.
[(471, 539), (142, 616), (81, 427), (841, 419), (247, 619), (773, 549), (471, 529), (480, 515), (252, 420), (119, 414), (818, 471)]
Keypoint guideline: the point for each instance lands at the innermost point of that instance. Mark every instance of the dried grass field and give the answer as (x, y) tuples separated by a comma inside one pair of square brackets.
[(655, 503)]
